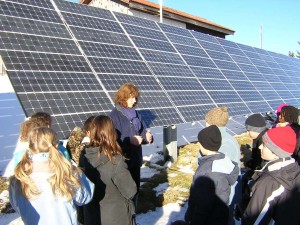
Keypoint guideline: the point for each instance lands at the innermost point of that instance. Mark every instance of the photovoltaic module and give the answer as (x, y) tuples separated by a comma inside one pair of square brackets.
[(69, 59)]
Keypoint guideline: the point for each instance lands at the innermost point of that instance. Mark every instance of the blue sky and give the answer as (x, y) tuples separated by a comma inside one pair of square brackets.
[(280, 20)]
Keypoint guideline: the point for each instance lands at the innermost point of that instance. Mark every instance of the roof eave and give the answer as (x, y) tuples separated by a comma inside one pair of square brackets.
[(86, 2), (153, 9), (179, 18)]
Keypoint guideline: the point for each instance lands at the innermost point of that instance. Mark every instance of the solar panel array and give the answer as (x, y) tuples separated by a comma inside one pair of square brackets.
[(69, 59)]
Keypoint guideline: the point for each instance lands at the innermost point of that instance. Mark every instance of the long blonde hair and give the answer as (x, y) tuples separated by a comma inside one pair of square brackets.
[(64, 180)]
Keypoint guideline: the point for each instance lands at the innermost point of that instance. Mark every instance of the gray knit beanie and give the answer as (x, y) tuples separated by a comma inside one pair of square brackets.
[(255, 122)]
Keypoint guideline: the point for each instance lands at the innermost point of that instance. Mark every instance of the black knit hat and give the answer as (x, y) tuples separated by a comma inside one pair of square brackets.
[(210, 138), (255, 122)]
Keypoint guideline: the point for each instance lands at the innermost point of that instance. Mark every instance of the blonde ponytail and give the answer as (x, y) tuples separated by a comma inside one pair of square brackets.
[(64, 180)]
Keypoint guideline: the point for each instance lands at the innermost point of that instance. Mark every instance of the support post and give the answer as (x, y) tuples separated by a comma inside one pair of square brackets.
[(160, 11), (170, 143)]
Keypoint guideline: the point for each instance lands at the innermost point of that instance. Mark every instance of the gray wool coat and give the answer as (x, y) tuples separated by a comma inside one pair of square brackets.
[(116, 207)]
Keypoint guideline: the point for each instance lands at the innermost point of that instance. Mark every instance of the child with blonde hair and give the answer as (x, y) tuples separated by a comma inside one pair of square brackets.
[(44, 120), (22, 144), (38, 119), (45, 186)]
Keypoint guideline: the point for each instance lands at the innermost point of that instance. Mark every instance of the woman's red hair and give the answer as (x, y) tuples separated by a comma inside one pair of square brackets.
[(126, 91)]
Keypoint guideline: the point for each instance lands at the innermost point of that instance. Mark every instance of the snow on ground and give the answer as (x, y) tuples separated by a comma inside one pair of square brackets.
[(163, 216)]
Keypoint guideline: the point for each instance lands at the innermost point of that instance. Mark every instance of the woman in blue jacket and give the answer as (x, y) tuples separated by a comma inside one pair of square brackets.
[(131, 129)]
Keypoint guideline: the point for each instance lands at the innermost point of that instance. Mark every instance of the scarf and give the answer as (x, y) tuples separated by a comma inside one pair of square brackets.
[(131, 114)]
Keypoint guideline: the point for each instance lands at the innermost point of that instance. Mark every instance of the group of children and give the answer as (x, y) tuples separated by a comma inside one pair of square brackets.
[(88, 181), (269, 191)]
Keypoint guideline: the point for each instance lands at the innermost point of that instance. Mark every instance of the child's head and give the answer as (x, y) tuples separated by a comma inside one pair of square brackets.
[(102, 130), (255, 124), (279, 108), (41, 139), (26, 127), (217, 116), (279, 142), (87, 125), (103, 135), (75, 139), (42, 118), (210, 139), (288, 114)]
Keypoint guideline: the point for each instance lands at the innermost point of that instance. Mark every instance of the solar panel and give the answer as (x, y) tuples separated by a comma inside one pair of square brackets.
[(187, 98), (136, 21), (199, 61), (221, 97), (164, 57), (191, 50), (234, 75), (144, 32), (152, 44), (204, 72), (193, 113), (69, 59), (83, 10), (178, 39), (161, 69), (178, 83), (174, 30)]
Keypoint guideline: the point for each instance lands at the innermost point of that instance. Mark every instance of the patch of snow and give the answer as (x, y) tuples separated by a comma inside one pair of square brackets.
[(163, 216), (172, 175), (180, 189), (161, 188), (186, 169), (153, 158), (147, 172), (168, 164)]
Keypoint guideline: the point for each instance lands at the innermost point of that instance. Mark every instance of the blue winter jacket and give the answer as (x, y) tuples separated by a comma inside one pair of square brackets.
[(126, 130), (231, 148), (210, 190)]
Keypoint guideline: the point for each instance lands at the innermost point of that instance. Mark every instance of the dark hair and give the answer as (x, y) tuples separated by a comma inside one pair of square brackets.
[(87, 124), (290, 114), (42, 118), (103, 135), (126, 91)]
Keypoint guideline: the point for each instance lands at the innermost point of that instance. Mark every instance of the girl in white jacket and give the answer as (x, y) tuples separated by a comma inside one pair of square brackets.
[(45, 185)]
